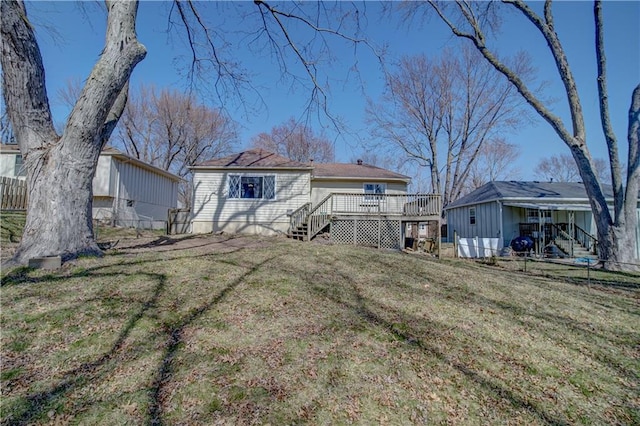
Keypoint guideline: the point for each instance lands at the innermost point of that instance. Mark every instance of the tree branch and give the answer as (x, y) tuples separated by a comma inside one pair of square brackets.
[(607, 128), (26, 99)]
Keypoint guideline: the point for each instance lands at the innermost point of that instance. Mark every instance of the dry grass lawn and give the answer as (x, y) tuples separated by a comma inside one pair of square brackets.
[(223, 330)]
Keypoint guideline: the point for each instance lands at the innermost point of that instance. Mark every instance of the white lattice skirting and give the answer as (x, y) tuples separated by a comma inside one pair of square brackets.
[(383, 233)]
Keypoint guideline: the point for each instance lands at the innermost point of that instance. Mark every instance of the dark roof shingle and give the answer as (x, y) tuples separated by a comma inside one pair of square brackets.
[(253, 158), (261, 159), (354, 171), (525, 190)]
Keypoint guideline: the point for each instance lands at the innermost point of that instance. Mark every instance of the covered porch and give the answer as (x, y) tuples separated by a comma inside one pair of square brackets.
[(567, 226)]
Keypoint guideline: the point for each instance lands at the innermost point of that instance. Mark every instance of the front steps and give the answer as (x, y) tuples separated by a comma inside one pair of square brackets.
[(300, 233)]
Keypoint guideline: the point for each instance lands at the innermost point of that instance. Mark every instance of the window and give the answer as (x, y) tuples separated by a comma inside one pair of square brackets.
[(256, 187), (472, 216), (535, 216), (371, 190), (19, 167)]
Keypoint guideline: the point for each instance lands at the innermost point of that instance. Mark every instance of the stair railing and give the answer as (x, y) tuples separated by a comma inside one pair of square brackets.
[(298, 217), (586, 240), (561, 237), (319, 216)]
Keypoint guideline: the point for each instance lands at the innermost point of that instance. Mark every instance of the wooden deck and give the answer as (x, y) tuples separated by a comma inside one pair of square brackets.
[(369, 211)]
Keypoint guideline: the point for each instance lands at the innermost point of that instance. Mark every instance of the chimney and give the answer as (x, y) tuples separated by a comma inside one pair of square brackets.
[(359, 162)]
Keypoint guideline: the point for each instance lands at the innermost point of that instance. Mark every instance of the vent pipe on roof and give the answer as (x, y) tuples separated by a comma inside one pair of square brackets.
[(359, 162)]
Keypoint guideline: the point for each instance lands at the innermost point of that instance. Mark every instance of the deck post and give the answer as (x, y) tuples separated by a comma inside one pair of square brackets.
[(439, 240)]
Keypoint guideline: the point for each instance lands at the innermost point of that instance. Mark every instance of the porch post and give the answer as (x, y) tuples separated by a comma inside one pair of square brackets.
[(572, 221)]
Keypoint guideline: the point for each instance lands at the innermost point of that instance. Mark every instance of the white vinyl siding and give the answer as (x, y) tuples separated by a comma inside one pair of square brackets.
[(322, 188), (215, 208), (8, 164)]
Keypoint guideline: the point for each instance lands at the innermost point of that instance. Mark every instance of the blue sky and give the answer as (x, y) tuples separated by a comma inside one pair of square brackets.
[(71, 49)]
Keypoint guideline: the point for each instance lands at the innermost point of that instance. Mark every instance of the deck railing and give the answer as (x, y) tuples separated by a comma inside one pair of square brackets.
[(417, 205), (409, 205)]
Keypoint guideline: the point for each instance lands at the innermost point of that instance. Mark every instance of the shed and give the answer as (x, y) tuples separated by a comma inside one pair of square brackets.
[(126, 191)]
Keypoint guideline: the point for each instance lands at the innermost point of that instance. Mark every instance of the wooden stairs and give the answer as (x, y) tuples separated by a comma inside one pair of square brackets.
[(572, 247), (578, 250), (300, 232)]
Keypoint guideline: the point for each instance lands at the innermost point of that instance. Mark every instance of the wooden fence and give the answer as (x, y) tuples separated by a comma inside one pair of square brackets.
[(13, 193)]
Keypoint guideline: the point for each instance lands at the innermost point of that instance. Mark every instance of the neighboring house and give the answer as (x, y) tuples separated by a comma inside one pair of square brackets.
[(260, 192), (126, 191), (544, 211), (11, 162)]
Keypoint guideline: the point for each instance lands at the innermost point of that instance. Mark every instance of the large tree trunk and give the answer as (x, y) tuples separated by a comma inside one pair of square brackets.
[(60, 170)]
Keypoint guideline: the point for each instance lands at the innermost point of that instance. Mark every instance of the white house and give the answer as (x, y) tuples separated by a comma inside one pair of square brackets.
[(249, 192), (544, 211), (260, 192), (126, 191)]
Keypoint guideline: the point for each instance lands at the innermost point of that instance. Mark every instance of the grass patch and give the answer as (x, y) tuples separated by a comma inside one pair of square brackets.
[(281, 332), (11, 224)]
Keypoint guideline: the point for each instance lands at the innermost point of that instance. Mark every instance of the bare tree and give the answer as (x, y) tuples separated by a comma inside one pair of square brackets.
[(496, 161), (616, 233), (296, 141), (563, 168), (172, 131), (440, 113), (60, 168)]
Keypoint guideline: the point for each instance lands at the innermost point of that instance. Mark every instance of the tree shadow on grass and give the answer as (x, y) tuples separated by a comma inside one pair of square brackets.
[(365, 308), (23, 274), (175, 337), (35, 406)]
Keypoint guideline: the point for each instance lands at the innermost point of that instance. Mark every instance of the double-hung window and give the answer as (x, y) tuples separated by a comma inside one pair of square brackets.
[(252, 187), (372, 191)]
